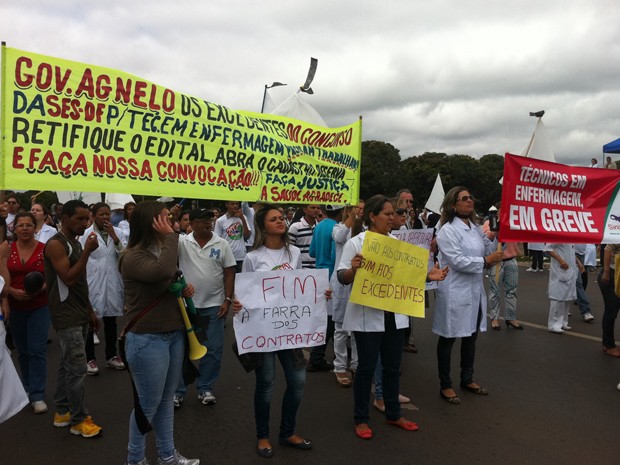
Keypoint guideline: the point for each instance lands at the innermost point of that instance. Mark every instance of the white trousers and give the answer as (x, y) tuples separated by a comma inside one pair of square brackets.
[(558, 314), (340, 350)]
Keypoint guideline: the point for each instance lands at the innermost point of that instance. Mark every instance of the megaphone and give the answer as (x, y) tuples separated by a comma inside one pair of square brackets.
[(196, 349)]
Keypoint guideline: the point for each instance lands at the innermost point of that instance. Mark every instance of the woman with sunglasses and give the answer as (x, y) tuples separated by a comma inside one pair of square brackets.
[(461, 299)]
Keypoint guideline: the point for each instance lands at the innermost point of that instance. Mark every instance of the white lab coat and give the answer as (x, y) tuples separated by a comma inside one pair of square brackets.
[(461, 295), (360, 317), (105, 284), (563, 283)]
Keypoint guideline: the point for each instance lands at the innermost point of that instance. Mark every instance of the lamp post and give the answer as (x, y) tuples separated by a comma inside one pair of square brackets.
[(275, 84)]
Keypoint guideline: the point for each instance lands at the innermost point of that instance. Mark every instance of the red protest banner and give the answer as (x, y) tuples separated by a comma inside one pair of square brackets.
[(550, 202)]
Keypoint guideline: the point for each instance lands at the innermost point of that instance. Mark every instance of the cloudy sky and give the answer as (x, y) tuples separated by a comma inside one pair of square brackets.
[(446, 76)]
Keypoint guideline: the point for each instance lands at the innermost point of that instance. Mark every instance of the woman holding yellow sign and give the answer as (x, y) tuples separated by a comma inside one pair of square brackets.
[(377, 332), (461, 300)]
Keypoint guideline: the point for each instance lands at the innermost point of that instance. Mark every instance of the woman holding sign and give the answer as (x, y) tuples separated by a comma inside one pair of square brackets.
[(377, 333), (461, 300), (272, 251)]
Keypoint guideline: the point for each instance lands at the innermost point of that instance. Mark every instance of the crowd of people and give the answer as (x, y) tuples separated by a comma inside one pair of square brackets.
[(77, 271)]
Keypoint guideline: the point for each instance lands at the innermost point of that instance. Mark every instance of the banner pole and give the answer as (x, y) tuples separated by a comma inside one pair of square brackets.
[(2, 121)]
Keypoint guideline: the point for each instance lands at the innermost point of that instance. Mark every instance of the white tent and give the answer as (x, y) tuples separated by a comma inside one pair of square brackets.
[(118, 201), (437, 195), (296, 107), (539, 146)]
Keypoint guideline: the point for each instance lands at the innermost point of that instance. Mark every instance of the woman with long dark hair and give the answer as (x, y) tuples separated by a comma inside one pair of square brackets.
[(155, 344), (30, 314), (461, 301), (377, 333), (272, 251)]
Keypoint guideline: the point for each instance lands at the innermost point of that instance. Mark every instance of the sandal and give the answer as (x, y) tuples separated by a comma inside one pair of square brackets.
[(404, 424), (378, 406), (363, 433), (343, 379), (411, 348)]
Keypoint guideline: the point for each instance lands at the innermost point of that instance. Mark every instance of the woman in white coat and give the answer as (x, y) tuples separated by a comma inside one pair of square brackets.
[(105, 285), (377, 332), (562, 288), (461, 300)]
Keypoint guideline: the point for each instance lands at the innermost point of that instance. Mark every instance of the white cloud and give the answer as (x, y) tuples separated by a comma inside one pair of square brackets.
[(449, 76)]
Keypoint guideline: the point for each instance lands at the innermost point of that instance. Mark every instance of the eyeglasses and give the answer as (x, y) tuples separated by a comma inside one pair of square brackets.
[(465, 198), (401, 211)]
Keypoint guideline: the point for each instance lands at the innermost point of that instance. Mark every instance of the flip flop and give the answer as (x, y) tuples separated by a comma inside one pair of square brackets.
[(406, 424), (343, 379)]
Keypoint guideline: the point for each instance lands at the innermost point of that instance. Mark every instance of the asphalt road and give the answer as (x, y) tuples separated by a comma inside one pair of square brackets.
[(553, 400)]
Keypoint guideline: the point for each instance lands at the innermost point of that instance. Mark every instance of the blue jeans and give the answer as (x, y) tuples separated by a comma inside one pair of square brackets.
[(582, 297), (209, 365), (371, 345), (155, 361), (509, 277), (265, 380), (30, 329), (69, 395)]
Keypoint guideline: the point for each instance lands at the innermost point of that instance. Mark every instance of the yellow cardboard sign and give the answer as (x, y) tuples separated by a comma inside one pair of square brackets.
[(72, 126), (392, 275)]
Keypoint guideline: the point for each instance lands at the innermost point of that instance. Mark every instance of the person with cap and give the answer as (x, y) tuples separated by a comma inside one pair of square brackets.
[(323, 250), (29, 310), (207, 260)]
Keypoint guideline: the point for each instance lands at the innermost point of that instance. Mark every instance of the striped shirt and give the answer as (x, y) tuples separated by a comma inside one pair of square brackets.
[(301, 237)]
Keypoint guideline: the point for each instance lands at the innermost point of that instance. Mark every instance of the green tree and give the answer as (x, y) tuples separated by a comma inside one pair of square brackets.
[(380, 166)]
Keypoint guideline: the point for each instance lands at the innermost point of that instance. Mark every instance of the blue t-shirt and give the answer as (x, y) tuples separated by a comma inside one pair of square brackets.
[(323, 247)]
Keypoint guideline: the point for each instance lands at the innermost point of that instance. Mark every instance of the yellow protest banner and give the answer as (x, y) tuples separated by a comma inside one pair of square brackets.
[(72, 126), (392, 275)]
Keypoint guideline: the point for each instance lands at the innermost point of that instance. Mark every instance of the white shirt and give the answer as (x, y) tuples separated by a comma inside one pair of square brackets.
[(45, 233), (461, 296), (264, 259), (231, 229), (204, 268)]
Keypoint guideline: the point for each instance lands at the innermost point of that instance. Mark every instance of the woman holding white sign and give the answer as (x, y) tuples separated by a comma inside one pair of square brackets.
[(377, 332), (461, 300), (272, 251)]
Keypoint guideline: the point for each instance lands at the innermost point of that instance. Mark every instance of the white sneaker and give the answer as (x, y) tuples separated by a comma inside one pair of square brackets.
[(567, 328), (96, 339), (115, 362), (39, 406), (531, 269), (177, 459), (556, 331), (207, 398), (588, 317), (178, 401), (91, 368)]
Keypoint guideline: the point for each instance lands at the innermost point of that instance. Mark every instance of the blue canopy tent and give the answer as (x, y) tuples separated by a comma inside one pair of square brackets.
[(612, 147)]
